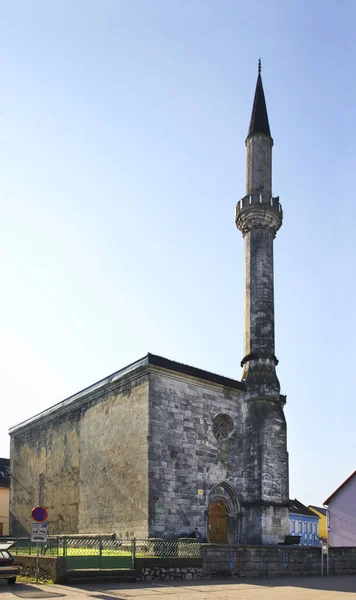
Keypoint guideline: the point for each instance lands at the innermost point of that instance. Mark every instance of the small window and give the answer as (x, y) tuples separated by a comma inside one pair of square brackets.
[(292, 527), (305, 527), (315, 527), (300, 526), (310, 527)]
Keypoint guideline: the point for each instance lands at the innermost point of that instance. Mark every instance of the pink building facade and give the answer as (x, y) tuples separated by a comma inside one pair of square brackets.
[(341, 514)]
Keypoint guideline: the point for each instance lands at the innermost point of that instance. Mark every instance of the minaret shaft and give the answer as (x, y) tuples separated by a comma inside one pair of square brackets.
[(259, 294)]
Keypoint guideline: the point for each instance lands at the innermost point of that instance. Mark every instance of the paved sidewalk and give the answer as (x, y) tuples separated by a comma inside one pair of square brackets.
[(308, 588)]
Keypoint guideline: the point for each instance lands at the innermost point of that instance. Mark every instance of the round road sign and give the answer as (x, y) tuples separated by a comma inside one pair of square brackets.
[(39, 514)]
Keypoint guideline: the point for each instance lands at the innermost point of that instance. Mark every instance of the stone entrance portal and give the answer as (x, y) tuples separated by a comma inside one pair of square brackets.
[(224, 515)]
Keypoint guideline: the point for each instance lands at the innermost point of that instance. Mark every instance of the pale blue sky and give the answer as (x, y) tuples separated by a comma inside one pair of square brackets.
[(122, 130)]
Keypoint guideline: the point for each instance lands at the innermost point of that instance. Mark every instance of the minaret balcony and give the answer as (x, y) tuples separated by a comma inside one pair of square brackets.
[(259, 211)]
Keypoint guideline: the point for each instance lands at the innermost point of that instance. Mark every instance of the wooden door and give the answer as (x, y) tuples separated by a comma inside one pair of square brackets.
[(218, 523)]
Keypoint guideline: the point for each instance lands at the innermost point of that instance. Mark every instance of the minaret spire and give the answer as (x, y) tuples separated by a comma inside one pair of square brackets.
[(259, 117)]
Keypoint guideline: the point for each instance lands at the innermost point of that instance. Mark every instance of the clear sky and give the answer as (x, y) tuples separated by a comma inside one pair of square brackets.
[(122, 156)]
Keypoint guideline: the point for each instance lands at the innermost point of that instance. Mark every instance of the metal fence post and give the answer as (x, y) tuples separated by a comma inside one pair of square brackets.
[(133, 553), (64, 547), (100, 552)]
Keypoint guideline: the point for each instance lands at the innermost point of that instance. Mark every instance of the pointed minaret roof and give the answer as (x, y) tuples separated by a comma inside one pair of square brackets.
[(259, 118)]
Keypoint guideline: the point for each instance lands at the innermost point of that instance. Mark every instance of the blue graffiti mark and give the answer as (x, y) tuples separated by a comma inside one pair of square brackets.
[(232, 559), (285, 560)]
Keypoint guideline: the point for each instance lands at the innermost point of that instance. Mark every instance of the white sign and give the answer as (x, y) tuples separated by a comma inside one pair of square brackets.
[(39, 532)]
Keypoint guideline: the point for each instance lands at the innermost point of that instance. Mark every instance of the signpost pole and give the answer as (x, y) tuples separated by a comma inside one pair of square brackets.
[(37, 562), (39, 532)]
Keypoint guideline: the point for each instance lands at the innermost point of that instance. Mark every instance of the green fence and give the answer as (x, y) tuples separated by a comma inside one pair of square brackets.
[(96, 553), (23, 545), (180, 548), (106, 552)]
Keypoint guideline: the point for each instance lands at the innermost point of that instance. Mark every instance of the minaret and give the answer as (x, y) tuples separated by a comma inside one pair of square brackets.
[(259, 217)]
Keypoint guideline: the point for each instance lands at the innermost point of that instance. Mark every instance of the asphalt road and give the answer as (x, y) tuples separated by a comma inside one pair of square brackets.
[(308, 588)]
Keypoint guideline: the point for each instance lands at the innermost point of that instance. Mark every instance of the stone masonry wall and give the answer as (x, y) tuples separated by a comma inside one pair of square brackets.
[(45, 470), (113, 486), (261, 561), (88, 467), (275, 561), (148, 569), (185, 458), (51, 568)]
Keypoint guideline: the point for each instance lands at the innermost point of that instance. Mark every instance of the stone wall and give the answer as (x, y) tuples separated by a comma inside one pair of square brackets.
[(88, 466), (45, 470), (275, 561), (113, 487), (342, 561), (51, 568), (261, 561), (185, 459), (148, 569)]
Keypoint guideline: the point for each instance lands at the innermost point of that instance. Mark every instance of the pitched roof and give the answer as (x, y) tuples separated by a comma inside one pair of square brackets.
[(113, 380), (339, 488), (320, 509), (259, 117), (298, 508), (4, 472)]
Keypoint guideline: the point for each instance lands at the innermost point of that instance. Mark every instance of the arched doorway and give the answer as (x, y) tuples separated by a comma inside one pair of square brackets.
[(224, 515), (217, 523)]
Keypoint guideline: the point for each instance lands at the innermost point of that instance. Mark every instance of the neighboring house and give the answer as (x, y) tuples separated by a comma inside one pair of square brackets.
[(321, 512), (341, 513), (4, 495), (303, 522)]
